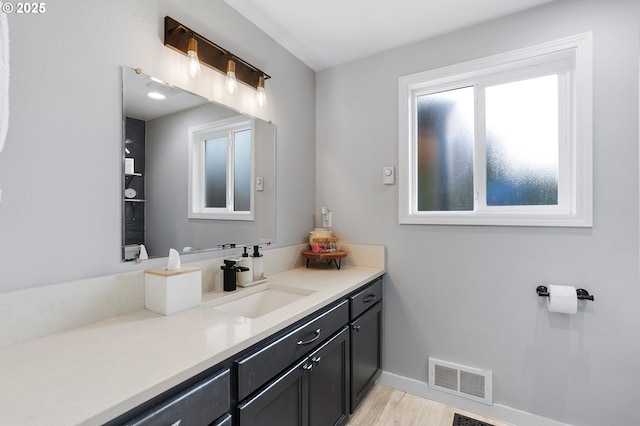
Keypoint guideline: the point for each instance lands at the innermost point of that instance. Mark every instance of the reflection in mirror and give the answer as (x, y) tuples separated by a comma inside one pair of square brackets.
[(188, 188), (221, 172)]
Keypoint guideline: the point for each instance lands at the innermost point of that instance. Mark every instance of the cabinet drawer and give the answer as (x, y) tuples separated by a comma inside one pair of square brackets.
[(199, 404), (257, 368), (366, 298)]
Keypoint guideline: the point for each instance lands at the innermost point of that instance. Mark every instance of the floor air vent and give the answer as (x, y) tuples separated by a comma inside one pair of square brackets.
[(460, 420), (467, 382)]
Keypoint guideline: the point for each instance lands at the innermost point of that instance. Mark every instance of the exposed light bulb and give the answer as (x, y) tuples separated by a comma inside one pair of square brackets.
[(261, 95), (192, 58), (231, 83)]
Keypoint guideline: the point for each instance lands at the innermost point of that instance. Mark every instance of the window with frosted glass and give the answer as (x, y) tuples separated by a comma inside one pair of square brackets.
[(242, 170), (522, 142), (215, 172), (445, 150), (500, 140)]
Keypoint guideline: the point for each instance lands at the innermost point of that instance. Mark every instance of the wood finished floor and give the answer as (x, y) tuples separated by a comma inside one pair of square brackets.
[(385, 406)]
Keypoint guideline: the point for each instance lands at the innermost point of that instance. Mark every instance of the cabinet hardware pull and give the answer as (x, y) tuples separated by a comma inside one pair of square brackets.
[(369, 298), (356, 327), (316, 360), (177, 423), (313, 339), (307, 367)]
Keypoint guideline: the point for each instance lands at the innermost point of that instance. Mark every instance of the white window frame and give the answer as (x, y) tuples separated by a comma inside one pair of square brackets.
[(575, 208), (197, 135)]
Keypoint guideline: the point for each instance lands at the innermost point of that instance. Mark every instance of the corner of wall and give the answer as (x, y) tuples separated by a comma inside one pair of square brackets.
[(371, 256)]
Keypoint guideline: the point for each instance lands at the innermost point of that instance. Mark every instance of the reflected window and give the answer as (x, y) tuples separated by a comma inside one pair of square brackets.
[(505, 140), (215, 172), (221, 158), (242, 170)]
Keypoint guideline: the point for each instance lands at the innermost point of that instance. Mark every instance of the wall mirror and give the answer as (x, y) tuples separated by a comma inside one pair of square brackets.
[(196, 175)]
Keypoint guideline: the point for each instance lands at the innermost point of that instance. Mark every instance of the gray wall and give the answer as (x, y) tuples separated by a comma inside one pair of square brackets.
[(60, 172), (467, 293)]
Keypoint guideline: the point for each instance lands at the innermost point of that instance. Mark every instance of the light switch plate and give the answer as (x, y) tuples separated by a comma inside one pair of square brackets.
[(388, 175)]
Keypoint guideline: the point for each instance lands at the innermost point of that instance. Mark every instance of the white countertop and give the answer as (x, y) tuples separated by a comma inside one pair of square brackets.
[(91, 374)]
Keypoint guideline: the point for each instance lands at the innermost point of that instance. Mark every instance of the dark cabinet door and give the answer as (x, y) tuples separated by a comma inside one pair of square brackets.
[(366, 338), (225, 420), (281, 403), (329, 382), (314, 392)]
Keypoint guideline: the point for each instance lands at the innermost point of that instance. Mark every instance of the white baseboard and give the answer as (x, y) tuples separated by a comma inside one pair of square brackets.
[(495, 411)]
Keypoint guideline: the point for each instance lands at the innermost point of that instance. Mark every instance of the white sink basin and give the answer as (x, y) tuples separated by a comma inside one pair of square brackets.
[(258, 303)]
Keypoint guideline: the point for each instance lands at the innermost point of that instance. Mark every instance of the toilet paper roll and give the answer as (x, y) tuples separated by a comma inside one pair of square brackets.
[(562, 299)]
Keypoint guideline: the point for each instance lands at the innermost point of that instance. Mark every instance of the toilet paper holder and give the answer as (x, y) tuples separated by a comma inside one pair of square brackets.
[(582, 293)]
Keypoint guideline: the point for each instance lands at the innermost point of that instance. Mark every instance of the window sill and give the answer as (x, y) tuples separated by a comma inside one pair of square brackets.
[(475, 218)]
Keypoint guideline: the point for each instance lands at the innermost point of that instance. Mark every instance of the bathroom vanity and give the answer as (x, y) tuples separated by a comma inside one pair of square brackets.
[(308, 362), (313, 372)]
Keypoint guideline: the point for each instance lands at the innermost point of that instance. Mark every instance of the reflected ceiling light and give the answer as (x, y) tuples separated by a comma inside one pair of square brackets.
[(185, 40), (157, 80), (231, 83), (261, 95), (156, 95), (192, 58)]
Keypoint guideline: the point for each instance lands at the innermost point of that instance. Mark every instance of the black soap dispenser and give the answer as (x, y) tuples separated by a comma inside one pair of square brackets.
[(230, 269)]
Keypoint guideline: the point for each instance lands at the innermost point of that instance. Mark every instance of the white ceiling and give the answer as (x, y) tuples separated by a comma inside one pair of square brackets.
[(138, 105), (331, 32)]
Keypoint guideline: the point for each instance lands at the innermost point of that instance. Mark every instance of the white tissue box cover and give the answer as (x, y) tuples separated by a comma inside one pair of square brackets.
[(167, 292)]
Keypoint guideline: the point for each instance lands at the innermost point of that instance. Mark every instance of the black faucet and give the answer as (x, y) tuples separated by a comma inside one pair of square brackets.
[(230, 268)]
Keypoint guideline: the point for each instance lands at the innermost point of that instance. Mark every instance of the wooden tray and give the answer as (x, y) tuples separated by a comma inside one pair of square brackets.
[(334, 257)]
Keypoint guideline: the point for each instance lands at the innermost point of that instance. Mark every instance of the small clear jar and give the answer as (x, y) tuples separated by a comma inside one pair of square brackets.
[(318, 245)]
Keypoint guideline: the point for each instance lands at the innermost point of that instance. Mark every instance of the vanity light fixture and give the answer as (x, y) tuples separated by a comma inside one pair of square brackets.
[(231, 83), (179, 37)]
